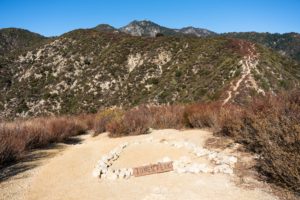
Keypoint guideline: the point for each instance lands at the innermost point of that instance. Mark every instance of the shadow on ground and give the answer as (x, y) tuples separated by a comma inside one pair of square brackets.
[(34, 158)]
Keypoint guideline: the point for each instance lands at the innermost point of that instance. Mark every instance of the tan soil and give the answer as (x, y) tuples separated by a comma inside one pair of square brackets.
[(248, 63), (68, 175)]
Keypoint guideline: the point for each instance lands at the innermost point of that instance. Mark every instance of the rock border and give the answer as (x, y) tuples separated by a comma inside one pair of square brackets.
[(224, 163)]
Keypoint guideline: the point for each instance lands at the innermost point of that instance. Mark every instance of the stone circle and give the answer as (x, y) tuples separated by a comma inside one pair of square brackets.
[(223, 163)]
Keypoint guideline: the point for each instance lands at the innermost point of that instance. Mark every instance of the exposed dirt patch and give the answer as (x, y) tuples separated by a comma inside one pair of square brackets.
[(248, 65)]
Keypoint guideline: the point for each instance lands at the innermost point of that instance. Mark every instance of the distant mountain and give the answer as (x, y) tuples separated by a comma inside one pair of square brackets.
[(14, 39), (84, 70), (148, 28), (105, 27), (285, 44), (199, 32)]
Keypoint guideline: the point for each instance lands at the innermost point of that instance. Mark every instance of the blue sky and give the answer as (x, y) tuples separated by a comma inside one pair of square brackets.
[(58, 16)]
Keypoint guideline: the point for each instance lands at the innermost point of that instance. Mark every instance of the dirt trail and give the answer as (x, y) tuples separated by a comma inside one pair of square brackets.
[(69, 174), (248, 63)]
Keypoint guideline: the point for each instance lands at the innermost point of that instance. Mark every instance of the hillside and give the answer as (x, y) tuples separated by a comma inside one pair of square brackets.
[(84, 70), (105, 28), (12, 39), (285, 44)]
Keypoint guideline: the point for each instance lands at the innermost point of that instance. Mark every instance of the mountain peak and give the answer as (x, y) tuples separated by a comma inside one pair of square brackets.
[(143, 28), (149, 28), (199, 32), (105, 27), (143, 22)]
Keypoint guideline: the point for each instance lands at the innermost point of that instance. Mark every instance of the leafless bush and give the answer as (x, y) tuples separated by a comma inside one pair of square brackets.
[(20, 136), (202, 115), (270, 126)]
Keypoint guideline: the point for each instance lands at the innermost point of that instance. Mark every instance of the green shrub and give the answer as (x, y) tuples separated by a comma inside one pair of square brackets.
[(103, 118)]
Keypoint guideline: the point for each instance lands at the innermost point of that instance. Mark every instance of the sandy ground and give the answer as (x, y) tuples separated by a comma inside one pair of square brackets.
[(68, 174)]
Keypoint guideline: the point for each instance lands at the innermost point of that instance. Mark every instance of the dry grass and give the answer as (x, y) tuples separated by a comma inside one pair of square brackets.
[(19, 136), (134, 122), (168, 116), (138, 120), (202, 115)]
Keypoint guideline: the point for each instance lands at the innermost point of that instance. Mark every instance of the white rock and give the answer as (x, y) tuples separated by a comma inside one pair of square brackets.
[(110, 155), (204, 168), (231, 160), (101, 164), (104, 158), (117, 172), (122, 173), (192, 168), (179, 164), (112, 174), (223, 169), (115, 157), (127, 173), (96, 173), (212, 155), (130, 170), (150, 130)]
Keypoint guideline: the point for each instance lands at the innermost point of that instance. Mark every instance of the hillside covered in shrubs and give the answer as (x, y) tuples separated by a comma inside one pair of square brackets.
[(286, 44), (84, 70)]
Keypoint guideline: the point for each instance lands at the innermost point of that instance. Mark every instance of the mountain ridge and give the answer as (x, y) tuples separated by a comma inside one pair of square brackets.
[(287, 43), (149, 28), (85, 69)]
